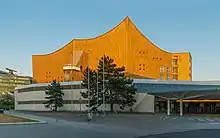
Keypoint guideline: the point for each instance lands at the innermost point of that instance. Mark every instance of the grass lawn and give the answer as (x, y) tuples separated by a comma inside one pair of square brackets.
[(5, 118)]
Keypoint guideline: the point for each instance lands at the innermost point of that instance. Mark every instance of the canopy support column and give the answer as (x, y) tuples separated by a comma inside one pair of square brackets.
[(168, 107)]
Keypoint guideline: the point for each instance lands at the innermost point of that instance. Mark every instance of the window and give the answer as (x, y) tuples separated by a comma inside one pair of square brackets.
[(168, 77), (167, 69), (162, 69), (175, 70), (175, 77), (175, 61), (154, 85), (161, 76)]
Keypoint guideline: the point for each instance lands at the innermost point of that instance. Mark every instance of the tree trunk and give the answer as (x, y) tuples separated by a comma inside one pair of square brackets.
[(111, 101), (55, 109), (112, 107)]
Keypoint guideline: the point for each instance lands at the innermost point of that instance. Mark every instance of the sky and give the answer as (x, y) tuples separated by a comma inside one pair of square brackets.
[(30, 27)]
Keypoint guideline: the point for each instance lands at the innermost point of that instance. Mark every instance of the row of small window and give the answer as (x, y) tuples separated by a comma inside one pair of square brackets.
[(163, 77), (147, 53), (60, 79), (14, 79), (157, 58), (168, 77), (14, 82), (164, 69), (143, 52), (142, 64), (175, 62), (54, 78), (167, 69), (144, 67)]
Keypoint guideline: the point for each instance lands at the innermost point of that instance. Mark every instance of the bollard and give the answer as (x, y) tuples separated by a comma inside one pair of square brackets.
[(89, 116)]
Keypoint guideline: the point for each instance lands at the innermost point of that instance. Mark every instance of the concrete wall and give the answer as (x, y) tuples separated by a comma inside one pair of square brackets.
[(31, 101)]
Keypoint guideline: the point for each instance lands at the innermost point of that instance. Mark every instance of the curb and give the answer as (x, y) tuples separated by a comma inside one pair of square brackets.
[(24, 123)]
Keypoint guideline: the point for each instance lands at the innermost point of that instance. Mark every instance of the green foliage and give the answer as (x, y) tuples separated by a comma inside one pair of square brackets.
[(91, 94), (117, 88), (54, 95), (7, 101)]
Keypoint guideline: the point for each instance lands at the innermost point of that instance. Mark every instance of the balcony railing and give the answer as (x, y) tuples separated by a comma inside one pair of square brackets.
[(71, 67)]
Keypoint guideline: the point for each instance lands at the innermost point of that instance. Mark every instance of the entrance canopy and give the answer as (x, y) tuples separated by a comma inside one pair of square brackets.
[(177, 89)]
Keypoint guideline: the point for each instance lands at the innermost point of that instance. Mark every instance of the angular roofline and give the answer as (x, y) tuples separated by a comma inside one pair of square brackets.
[(127, 19), (148, 39), (85, 39)]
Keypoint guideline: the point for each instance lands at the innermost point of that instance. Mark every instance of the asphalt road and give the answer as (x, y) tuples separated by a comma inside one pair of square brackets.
[(70, 125), (214, 133), (54, 131)]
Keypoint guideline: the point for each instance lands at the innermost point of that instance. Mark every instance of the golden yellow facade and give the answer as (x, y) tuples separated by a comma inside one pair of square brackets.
[(125, 44)]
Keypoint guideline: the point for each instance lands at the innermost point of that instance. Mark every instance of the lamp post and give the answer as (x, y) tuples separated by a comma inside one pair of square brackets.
[(71, 87), (103, 85), (97, 85), (89, 116), (88, 80), (80, 102)]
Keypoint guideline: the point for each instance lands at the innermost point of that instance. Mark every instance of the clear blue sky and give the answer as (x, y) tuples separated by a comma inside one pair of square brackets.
[(36, 27)]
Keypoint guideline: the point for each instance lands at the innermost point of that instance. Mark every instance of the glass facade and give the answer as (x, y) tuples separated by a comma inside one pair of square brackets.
[(9, 81), (157, 88), (188, 107)]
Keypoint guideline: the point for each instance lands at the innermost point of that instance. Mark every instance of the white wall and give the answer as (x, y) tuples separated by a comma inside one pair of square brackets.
[(145, 102)]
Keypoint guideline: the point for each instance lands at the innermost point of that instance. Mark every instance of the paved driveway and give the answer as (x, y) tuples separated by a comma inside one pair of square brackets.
[(205, 133), (70, 125)]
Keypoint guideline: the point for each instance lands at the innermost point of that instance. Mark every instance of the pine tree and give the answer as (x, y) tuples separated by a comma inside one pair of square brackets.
[(109, 68), (118, 89), (127, 93), (54, 95)]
